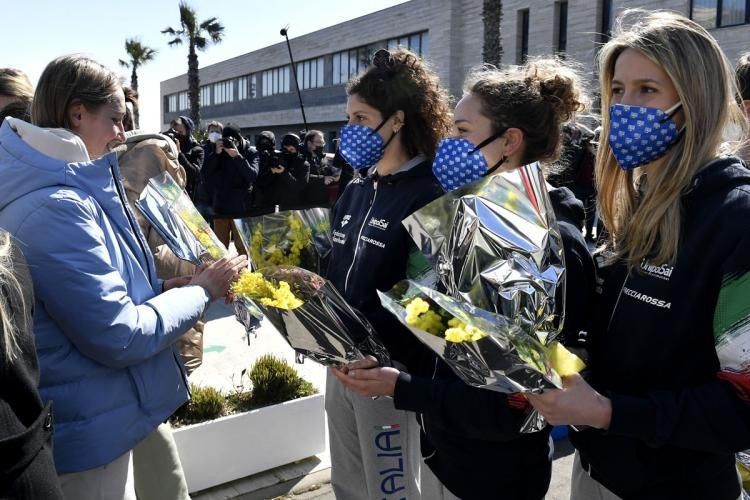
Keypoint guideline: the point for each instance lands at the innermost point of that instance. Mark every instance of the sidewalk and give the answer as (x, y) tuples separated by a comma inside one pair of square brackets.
[(226, 354)]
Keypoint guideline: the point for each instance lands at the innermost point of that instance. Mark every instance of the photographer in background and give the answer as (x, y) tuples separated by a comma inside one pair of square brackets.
[(282, 183), (316, 181), (190, 154), (265, 146), (231, 172), (204, 192)]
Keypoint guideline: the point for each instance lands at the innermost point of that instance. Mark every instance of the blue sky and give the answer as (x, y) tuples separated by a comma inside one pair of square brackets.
[(35, 32)]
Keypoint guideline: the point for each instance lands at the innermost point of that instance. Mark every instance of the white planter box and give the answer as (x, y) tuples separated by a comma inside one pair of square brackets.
[(241, 445)]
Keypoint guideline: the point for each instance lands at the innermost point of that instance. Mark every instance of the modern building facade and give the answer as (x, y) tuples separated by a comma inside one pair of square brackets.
[(256, 90)]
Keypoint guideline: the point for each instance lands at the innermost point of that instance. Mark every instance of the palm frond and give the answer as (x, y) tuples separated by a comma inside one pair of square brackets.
[(187, 18), (149, 54), (216, 31)]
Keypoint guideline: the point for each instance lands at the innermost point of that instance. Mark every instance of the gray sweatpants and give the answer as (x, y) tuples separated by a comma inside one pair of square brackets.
[(374, 447), (157, 470), (113, 480)]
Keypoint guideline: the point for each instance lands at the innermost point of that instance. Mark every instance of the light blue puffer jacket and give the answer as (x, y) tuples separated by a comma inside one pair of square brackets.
[(103, 335)]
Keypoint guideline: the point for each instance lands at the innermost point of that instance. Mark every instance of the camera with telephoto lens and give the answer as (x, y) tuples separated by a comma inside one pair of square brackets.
[(229, 142), (270, 158), (172, 134)]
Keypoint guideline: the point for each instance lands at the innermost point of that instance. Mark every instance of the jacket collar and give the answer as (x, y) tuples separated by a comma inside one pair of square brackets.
[(57, 143)]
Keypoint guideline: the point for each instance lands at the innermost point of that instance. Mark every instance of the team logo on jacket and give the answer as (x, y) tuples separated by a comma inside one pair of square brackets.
[(377, 243), (338, 237), (663, 272), (381, 224), (345, 220), (647, 299)]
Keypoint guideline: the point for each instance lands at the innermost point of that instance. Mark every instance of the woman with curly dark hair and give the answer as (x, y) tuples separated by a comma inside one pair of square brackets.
[(471, 438), (397, 113)]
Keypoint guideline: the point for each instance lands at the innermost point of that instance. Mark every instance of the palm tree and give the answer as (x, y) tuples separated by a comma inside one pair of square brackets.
[(492, 14), (138, 54), (197, 36)]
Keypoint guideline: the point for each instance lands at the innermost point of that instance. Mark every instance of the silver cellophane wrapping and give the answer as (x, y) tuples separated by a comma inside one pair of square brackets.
[(497, 250), (171, 213), (495, 244), (507, 360), (324, 328)]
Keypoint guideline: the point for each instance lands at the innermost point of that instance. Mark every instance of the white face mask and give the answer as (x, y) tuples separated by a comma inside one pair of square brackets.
[(214, 136)]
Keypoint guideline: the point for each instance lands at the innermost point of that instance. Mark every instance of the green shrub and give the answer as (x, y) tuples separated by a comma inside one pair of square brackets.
[(241, 401), (275, 381), (206, 403)]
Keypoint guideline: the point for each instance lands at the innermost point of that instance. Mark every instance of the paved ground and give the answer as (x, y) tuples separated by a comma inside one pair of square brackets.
[(226, 354)]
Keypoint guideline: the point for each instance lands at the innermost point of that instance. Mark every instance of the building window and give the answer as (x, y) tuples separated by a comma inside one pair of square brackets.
[(276, 81), (720, 13), (310, 73), (205, 95), (561, 14), (734, 12), (242, 88), (416, 42), (223, 92), (182, 100), (246, 87), (523, 33), (172, 103), (348, 63)]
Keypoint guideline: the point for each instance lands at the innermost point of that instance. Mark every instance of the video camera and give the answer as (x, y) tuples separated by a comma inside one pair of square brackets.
[(269, 158), (172, 134), (229, 142)]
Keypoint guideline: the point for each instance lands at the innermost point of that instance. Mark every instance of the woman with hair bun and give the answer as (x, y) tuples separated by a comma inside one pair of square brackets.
[(397, 115), (471, 437)]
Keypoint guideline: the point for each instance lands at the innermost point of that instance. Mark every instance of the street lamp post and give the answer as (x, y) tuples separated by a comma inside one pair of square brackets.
[(284, 32)]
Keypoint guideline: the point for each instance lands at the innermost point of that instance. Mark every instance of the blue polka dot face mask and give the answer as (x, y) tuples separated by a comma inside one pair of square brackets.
[(361, 146), (458, 162), (639, 135)]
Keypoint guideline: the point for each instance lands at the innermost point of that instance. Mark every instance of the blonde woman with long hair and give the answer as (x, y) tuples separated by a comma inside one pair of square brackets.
[(27, 470), (663, 417)]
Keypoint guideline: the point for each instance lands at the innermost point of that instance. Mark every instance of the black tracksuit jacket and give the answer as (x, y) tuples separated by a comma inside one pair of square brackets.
[(675, 424), (372, 250), (470, 436)]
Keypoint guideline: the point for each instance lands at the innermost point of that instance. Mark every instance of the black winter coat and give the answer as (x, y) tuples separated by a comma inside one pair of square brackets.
[(230, 182), (191, 158), (27, 469), (285, 189), (315, 193)]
